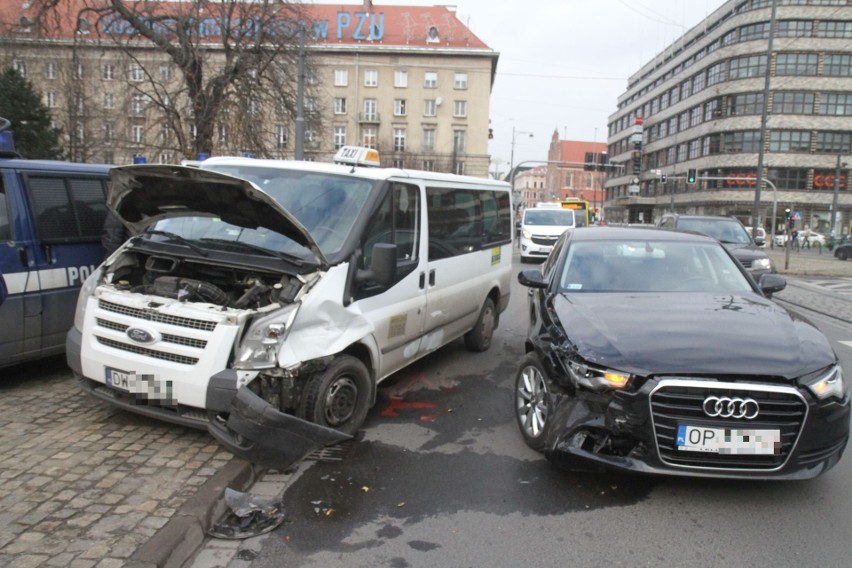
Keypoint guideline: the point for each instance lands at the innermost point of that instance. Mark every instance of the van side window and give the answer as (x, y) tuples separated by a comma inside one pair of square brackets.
[(397, 221), (5, 218), (464, 220), (67, 209)]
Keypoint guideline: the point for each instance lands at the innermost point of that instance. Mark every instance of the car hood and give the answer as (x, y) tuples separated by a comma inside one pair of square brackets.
[(141, 195), (692, 333)]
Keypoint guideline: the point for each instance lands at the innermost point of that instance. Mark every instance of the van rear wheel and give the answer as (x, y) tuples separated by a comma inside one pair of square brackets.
[(478, 339), (339, 396)]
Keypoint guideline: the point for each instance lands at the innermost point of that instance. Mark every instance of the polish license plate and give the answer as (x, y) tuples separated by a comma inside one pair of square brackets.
[(728, 441), (146, 387)]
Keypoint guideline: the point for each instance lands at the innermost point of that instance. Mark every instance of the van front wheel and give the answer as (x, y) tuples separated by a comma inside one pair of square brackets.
[(478, 339), (339, 396)]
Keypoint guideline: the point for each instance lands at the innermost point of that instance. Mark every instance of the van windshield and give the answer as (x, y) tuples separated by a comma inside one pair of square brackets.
[(326, 204), (554, 217)]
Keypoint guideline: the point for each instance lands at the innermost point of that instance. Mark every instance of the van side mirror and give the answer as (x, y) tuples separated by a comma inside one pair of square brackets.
[(382, 266)]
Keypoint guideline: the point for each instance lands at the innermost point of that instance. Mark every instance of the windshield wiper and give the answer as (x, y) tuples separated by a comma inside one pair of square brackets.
[(256, 248), (174, 237)]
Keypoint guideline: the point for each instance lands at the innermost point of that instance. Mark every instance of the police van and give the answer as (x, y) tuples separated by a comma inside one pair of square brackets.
[(51, 220), (264, 300)]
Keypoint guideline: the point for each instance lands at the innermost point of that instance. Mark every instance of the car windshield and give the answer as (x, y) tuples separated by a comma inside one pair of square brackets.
[(727, 231), (650, 266), (326, 204), (554, 217)]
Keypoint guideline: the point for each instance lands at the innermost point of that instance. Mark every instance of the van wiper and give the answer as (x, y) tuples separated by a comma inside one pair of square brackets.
[(255, 248), (175, 237)]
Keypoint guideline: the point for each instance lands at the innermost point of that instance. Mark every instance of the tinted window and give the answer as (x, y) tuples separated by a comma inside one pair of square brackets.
[(67, 209), (724, 230), (463, 221), (5, 216), (551, 217)]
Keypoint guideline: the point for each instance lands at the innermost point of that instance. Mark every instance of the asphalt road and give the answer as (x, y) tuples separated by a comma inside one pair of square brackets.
[(442, 478)]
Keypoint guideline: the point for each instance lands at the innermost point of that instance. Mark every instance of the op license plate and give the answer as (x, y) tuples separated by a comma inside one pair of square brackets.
[(728, 441)]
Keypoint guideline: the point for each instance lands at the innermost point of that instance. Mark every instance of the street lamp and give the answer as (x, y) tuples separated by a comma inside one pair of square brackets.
[(512, 155)]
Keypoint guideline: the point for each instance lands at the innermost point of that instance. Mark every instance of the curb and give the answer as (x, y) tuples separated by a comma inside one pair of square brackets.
[(180, 538)]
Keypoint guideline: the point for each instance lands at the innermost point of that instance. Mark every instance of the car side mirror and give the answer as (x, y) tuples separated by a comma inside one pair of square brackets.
[(382, 266), (771, 283), (532, 278)]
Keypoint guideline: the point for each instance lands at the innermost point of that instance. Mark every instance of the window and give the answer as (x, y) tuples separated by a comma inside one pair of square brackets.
[(795, 28), (339, 137), (744, 141), (341, 77), (399, 107), (399, 139), (428, 139), (835, 104), (371, 78), (164, 132), (136, 72), (50, 70), (223, 134), (462, 221), (459, 138), (674, 95), (165, 72), (787, 102), (745, 104), (459, 168), (430, 108), (789, 141), (834, 29), (698, 82), (80, 104), (339, 105), (837, 65), (80, 132), (108, 72), (796, 64), (50, 99), (428, 165), (695, 116), (400, 79), (683, 121), (370, 109), (67, 209), (745, 67), (311, 76), (21, 67), (685, 89), (716, 74), (430, 80), (834, 142), (754, 31), (664, 101), (310, 104), (78, 71), (399, 163), (369, 137), (109, 132), (281, 136), (460, 81), (460, 108), (789, 178), (712, 144), (137, 133), (137, 104), (711, 110), (694, 149)]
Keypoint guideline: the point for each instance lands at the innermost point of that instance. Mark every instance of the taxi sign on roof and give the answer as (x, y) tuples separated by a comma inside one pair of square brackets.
[(357, 156)]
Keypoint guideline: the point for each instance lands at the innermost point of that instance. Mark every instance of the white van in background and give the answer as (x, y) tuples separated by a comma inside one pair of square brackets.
[(540, 228), (264, 300)]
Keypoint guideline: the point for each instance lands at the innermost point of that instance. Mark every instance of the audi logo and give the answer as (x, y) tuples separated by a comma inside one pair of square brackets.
[(728, 407)]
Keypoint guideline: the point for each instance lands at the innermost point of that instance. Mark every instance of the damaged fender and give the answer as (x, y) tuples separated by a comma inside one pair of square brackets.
[(259, 433)]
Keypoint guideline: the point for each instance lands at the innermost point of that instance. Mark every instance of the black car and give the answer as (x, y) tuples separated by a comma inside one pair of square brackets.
[(843, 251), (731, 233), (650, 351)]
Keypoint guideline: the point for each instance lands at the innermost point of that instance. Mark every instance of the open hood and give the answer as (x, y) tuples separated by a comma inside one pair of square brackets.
[(142, 195)]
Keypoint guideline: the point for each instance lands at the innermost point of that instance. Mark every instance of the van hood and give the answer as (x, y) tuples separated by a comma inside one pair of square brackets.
[(144, 194)]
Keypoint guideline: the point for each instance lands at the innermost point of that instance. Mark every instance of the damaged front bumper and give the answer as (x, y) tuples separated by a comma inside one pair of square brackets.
[(254, 430)]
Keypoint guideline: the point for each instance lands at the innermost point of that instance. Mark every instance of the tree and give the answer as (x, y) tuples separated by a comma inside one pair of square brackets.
[(234, 64), (21, 105)]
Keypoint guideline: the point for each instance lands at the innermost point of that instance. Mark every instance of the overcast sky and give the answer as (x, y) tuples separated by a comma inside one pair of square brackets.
[(563, 63)]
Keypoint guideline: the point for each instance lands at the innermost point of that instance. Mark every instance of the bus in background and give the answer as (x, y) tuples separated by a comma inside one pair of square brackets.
[(580, 208)]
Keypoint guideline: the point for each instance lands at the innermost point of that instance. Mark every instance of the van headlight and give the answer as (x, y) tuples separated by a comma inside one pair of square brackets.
[(262, 342), (86, 291)]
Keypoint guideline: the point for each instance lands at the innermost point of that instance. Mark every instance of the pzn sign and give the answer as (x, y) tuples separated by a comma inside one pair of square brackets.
[(827, 181)]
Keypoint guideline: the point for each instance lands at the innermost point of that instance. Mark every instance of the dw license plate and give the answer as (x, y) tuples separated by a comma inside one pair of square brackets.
[(146, 387)]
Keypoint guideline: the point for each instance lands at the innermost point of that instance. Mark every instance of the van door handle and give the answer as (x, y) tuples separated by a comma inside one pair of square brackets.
[(48, 254), (22, 256), (432, 277), (422, 280)]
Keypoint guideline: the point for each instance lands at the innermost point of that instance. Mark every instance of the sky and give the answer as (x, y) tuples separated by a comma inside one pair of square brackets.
[(563, 63)]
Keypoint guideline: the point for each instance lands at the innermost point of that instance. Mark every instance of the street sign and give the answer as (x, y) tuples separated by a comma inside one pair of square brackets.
[(633, 189), (796, 216)]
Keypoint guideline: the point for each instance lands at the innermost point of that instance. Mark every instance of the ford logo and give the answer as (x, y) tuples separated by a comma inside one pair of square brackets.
[(142, 335)]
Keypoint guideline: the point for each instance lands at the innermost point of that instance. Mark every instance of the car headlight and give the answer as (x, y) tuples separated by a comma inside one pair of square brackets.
[(597, 378), (526, 234), (262, 342), (829, 384), (762, 264), (86, 291)]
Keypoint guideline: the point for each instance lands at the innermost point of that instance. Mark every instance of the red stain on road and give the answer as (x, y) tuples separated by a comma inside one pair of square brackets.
[(398, 393)]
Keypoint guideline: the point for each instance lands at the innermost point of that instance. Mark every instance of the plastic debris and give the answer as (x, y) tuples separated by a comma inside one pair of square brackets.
[(249, 516)]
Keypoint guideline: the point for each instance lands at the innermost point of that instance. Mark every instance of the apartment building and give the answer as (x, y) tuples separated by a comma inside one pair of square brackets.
[(412, 81), (698, 105)]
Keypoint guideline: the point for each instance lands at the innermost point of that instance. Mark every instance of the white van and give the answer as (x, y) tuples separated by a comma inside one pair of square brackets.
[(541, 226), (264, 300)]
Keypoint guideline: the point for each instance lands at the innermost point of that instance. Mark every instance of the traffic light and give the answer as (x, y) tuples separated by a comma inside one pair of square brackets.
[(787, 215), (690, 176), (589, 163), (663, 178)]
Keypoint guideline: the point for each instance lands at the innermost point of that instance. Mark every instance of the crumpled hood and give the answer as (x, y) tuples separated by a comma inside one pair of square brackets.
[(693, 333), (143, 194)]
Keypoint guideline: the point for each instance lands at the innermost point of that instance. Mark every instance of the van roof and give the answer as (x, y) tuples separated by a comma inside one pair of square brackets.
[(55, 166)]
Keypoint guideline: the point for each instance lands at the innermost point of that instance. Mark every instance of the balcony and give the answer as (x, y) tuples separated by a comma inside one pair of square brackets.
[(368, 117)]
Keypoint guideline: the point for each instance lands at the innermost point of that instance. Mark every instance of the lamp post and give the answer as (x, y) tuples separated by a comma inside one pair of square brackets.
[(512, 155), (833, 229)]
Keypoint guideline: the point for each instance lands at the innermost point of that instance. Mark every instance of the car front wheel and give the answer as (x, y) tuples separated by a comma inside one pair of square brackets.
[(532, 402)]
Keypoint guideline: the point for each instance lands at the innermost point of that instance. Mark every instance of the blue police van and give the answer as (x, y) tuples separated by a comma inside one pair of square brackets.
[(51, 221)]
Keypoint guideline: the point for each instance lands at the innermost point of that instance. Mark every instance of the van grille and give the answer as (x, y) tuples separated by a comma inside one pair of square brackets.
[(154, 316), (166, 337), (165, 356)]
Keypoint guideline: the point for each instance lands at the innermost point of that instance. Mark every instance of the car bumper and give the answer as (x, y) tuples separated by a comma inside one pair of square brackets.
[(634, 432)]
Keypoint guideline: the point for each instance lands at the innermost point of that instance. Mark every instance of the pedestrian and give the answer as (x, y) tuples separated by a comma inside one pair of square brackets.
[(795, 238), (807, 242), (114, 233)]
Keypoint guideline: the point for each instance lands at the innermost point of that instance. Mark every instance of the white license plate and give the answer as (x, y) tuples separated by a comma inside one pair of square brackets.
[(145, 386), (728, 441)]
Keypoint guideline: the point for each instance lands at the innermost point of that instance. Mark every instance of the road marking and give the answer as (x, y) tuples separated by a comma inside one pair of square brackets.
[(846, 343)]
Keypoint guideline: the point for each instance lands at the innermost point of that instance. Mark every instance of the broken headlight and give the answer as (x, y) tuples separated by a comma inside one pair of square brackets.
[(599, 379), (262, 342), (828, 384), (86, 291)]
